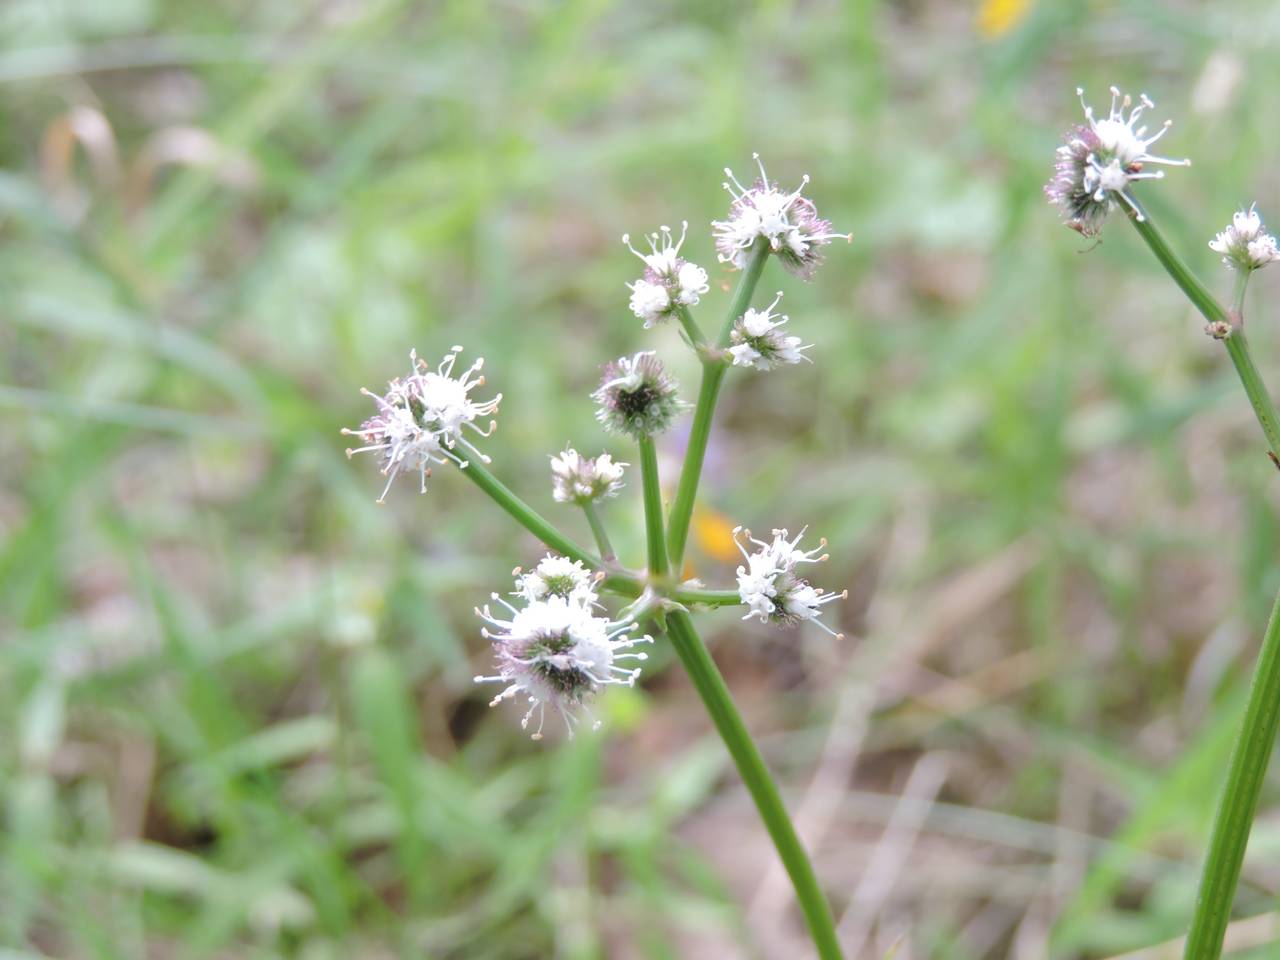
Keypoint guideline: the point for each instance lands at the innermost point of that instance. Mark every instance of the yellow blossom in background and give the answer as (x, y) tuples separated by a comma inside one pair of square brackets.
[(713, 533), (997, 17)]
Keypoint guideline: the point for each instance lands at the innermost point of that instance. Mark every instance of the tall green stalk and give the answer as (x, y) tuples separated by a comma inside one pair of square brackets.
[(654, 538), (713, 371), (1251, 754), (715, 696)]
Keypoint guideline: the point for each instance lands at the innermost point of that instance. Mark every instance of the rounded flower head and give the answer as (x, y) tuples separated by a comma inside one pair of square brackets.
[(556, 576), (770, 586), (1245, 243), (579, 479), (420, 419), (636, 396), (757, 342), (669, 281), (556, 652), (1098, 161), (788, 221)]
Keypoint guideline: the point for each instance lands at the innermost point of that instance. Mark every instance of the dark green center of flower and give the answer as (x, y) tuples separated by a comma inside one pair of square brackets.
[(560, 585), (635, 402)]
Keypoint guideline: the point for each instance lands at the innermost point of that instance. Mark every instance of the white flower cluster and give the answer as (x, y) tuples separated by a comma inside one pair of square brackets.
[(420, 418), (1245, 243), (788, 222), (555, 650), (669, 281), (1097, 163), (757, 342), (579, 479), (556, 576), (770, 586)]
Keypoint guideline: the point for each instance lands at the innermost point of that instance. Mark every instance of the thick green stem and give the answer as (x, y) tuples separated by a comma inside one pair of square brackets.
[(751, 766), (1231, 825), (598, 531), (1252, 752), (695, 454), (525, 515), (654, 538), (713, 370)]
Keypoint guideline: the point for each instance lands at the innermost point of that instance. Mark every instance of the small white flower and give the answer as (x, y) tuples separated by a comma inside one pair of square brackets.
[(579, 479), (556, 651), (692, 283), (556, 576), (669, 280), (1245, 243), (650, 302), (420, 419), (770, 587), (1096, 164), (757, 342), (788, 221)]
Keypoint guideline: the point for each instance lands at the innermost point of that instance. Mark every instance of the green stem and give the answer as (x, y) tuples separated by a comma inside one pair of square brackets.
[(691, 328), (709, 598), (525, 515), (657, 543), (745, 289), (1213, 311), (1252, 751), (1239, 802), (1196, 291), (715, 695), (713, 370), (598, 531)]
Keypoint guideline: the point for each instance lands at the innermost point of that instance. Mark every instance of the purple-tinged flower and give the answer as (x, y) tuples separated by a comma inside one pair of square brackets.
[(669, 281), (557, 651), (420, 419), (757, 342), (636, 396), (1098, 161), (787, 221)]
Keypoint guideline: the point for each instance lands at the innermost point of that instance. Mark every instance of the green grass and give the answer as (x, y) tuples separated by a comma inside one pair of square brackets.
[(236, 694)]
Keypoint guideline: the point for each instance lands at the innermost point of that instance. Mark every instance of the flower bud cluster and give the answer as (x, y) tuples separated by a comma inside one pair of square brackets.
[(669, 282), (555, 650), (770, 586), (757, 342), (1245, 243), (582, 480), (420, 419)]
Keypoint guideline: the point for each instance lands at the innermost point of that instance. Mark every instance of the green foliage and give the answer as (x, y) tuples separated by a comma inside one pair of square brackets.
[(237, 694)]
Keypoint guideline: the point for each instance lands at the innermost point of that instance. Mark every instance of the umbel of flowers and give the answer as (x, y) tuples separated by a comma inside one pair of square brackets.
[(556, 645), (1096, 171)]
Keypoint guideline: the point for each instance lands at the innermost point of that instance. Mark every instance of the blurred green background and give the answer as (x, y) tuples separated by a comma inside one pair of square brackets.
[(235, 695)]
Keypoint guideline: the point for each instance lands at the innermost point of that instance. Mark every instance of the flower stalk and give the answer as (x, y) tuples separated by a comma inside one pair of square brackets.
[(525, 515), (654, 538), (713, 371), (1251, 754), (715, 695), (598, 531)]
